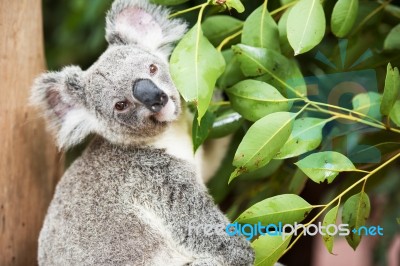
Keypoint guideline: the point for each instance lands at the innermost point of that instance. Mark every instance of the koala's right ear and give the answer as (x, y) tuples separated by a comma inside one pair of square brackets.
[(61, 96), (141, 23)]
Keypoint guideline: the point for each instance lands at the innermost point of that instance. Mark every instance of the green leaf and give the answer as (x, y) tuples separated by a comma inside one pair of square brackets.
[(330, 218), (283, 39), (200, 132), (260, 30), (195, 67), (263, 172), (232, 74), (306, 136), (392, 40), (255, 99), (168, 2), (235, 4), (393, 10), (266, 65), (297, 182), (295, 79), (343, 17), (217, 28), (395, 113), (258, 61), (305, 25), (325, 165), (268, 249), (391, 90), (368, 103), (262, 141), (355, 213), (285, 208), (226, 123), (271, 67)]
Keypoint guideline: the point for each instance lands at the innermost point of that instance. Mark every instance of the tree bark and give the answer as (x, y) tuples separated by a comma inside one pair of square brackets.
[(29, 162)]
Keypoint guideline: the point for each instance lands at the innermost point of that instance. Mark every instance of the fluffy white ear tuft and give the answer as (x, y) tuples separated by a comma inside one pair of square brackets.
[(77, 125), (61, 97), (140, 23)]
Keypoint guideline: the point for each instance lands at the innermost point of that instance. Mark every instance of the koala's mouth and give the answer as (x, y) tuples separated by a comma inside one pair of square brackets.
[(168, 112)]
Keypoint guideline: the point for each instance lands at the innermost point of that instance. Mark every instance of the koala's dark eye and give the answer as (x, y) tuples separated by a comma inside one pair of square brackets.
[(120, 106), (153, 69)]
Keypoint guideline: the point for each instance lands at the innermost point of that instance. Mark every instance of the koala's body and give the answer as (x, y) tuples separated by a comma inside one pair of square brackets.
[(130, 199)]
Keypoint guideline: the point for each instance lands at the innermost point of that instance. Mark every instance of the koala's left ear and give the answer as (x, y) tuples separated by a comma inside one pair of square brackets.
[(61, 96), (141, 23)]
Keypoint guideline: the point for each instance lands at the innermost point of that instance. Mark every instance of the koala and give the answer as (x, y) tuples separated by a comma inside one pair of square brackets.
[(129, 199)]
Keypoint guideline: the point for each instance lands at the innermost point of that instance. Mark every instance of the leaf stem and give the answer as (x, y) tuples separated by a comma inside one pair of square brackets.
[(227, 39), (348, 110), (370, 15), (361, 171), (273, 12), (220, 103), (187, 10), (355, 119), (338, 198)]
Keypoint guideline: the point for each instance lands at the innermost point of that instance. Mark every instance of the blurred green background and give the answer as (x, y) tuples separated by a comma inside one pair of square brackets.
[(74, 29)]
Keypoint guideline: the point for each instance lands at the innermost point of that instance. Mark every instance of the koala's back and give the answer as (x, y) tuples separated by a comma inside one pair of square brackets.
[(104, 211)]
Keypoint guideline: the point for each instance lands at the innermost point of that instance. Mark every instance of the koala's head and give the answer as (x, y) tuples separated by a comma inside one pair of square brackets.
[(127, 96)]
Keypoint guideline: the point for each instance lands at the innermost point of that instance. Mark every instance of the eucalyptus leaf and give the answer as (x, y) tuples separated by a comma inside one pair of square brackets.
[(329, 219), (325, 165), (290, 83), (285, 208), (232, 74), (283, 39), (256, 61), (295, 79), (368, 103), (262, 141), (268, 249), (395, 113), (260, 30), (298, 182), (255, 99), (306, 136), (391, 90), (200, 132), (392, 40), (344, 15), (217, 28), (263, 172), (305, 25), (235, 4), (195, 66), (226, 123), (355, 213)]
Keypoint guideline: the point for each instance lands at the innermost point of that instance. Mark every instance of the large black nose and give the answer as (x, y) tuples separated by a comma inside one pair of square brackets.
[(146, 92)]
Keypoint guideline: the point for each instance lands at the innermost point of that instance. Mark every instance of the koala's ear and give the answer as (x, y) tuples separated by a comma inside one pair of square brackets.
[(61, 96), (141, 23)]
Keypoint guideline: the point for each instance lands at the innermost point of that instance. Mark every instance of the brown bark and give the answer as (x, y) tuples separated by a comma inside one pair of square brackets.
[(29, 162)]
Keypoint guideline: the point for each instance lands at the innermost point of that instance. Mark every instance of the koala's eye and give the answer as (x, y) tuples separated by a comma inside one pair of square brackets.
[(153, 69), (120, 106)]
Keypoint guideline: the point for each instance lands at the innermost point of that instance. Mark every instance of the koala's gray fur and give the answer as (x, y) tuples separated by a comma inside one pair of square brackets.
[(126, 200)]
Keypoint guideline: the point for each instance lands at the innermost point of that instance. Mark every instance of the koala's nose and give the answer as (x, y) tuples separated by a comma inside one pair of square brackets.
[(146, 92)]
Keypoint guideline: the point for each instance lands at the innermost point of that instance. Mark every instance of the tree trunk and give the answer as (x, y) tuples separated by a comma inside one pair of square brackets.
[(29, 162)]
